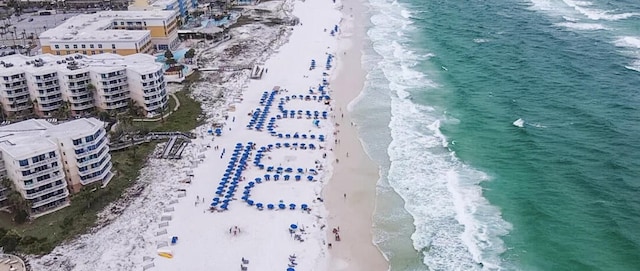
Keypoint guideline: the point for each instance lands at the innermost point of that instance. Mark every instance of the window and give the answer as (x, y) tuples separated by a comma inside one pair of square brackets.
[(113, 46), (84, 46), (77, 142), (28, 182), (89, 138), (91, 46), (68, 52), (66, 46), (99, 45), (75, 46), (24, 162), (52, 154), (56, 46)]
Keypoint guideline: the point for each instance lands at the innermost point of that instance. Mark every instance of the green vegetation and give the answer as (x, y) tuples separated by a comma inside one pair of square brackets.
[(44, 233), (186, 118), (41, 235)]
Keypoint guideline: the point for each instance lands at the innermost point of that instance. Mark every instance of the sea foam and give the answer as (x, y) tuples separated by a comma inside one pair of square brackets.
[(455, 226)]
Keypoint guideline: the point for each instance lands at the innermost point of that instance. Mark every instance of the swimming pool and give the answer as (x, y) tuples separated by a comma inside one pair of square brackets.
[(177, 55)]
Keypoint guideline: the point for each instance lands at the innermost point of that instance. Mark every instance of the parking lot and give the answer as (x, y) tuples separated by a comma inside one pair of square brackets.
[(26, 28)]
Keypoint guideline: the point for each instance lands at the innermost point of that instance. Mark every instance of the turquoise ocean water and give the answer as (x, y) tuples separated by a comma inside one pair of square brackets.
[(508, 133)]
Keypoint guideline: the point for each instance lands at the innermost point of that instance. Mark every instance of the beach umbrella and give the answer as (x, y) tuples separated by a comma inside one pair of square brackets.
[(293, 226), (282, 206), (290, 269), (259, 205), (266, 177), (304, 206), (250, 202), (270, 206), (286, 177), (300, 170), (292, 206), (289, 169), (276, 177), (298, 177), (310, 178), (215, 203)]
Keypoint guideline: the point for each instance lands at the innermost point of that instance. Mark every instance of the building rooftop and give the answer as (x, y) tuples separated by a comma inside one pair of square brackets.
[(75, 128), (32, 136), (97, 26), (46, 63)]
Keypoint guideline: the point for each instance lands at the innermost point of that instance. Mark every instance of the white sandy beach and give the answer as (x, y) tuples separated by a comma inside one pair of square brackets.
[(221, 239)]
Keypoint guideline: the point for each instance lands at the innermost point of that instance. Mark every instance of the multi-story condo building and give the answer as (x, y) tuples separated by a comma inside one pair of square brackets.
[(46, 161), (48, 84), (183, 7), (3, 190), (117, 32)]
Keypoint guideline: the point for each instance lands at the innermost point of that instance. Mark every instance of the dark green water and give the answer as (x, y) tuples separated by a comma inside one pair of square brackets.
[(568, 181)]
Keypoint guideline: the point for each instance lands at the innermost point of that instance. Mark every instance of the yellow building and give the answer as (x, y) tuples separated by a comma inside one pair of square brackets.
[(117, 32)]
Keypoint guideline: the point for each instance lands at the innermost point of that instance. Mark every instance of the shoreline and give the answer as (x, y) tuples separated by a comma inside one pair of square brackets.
[(170, 208), (350, 195)]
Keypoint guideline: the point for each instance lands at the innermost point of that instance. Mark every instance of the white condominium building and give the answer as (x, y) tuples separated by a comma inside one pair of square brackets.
[(45, 161), (50, 84), (117, 32)]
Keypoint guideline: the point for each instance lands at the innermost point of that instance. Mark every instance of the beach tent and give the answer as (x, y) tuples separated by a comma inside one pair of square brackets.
[(290, 269), (282, 206), (292, 206), (293, 226), (304, 206), (270, 206)]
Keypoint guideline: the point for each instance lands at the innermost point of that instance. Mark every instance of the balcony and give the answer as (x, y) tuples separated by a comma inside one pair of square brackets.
[(14, 87), (98, 141), (117, 91), (156, 99), (118, 105), (13, 80), (81, 100), (54, 178), (81, 107), (77, 88), (49, 99), (115, 77), (156, 107), (45, 161), (78, 79), (53, 171), (87, 162), (46, 191), (48, 79), (107, 172), (49, 107), (51, 199), (22, 92)]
